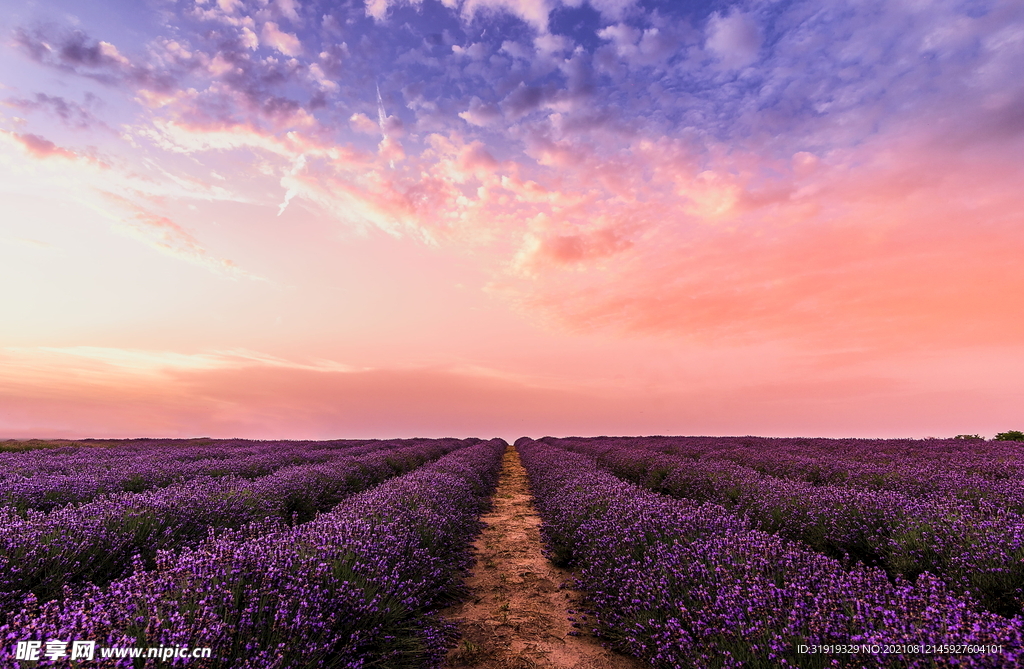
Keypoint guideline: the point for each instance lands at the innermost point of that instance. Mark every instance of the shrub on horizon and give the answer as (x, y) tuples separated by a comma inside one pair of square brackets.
[(1010, 435)]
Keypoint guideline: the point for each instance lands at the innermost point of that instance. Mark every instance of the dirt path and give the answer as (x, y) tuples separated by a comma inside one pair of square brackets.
[(516, 616)]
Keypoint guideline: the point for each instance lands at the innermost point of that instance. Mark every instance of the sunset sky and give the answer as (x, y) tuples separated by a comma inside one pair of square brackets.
[(299, 219)]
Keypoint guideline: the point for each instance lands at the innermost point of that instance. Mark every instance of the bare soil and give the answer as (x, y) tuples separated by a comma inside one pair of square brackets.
[(517, 615)]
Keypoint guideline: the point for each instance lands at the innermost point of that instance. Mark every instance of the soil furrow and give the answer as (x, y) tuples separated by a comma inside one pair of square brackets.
[(516, 616)]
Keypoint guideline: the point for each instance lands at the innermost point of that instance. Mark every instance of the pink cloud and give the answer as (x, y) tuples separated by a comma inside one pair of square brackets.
[(533, 12), (481, 113), (362, 123), (665, 238), (476, 160), (286, 43), (192, 121), (378, 9), (317, 74), (289, 8), (166, 236), (40, 147), (587, 246), (880, 255)]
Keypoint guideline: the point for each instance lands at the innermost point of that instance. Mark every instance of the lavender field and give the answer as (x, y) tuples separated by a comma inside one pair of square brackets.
[(682, 551), (704, 552), (329, 554)]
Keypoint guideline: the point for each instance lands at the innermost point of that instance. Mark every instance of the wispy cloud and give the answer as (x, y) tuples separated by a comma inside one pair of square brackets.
[(70, 113), (100, 359), (93, 183), (167, 236), (25, 242)]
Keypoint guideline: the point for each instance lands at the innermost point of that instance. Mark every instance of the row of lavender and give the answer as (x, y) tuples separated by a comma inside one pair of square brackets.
[(969, 470), (356, 587), (977, 547), (79, 457), (47, 479), (683, 584), (96, 542)]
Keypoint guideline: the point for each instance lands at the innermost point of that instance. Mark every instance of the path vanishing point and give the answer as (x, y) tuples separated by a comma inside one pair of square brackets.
[(516, 615)]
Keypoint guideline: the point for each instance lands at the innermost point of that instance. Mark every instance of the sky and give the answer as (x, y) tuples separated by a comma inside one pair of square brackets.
[(391, 218)]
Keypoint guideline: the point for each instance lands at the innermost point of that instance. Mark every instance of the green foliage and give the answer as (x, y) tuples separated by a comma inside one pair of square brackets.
[(969, 437), (1011, 435)]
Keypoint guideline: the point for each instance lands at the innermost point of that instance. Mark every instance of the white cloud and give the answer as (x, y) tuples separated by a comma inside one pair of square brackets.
[(249, 39), (156, 362), (364, 124), (548, 44), (378, 9), (610, 9), (286, 43), (289, 8), (317, 73), (534, 12), (735, 39), (481, 113)]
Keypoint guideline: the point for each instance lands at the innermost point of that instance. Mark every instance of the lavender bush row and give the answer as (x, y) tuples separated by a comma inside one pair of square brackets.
[(89, 473), (970, 470), (357, 588), (976, 548), (96, 542), (681, 584), (77, 456)]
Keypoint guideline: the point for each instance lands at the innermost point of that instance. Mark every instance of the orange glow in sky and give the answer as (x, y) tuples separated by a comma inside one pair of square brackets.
[(285, 219)]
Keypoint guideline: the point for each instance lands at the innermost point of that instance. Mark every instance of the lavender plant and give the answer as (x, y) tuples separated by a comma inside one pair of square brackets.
[(47, 480), (358, 587), (683, 584), (975, 547), (96, 542), (916, 467)]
